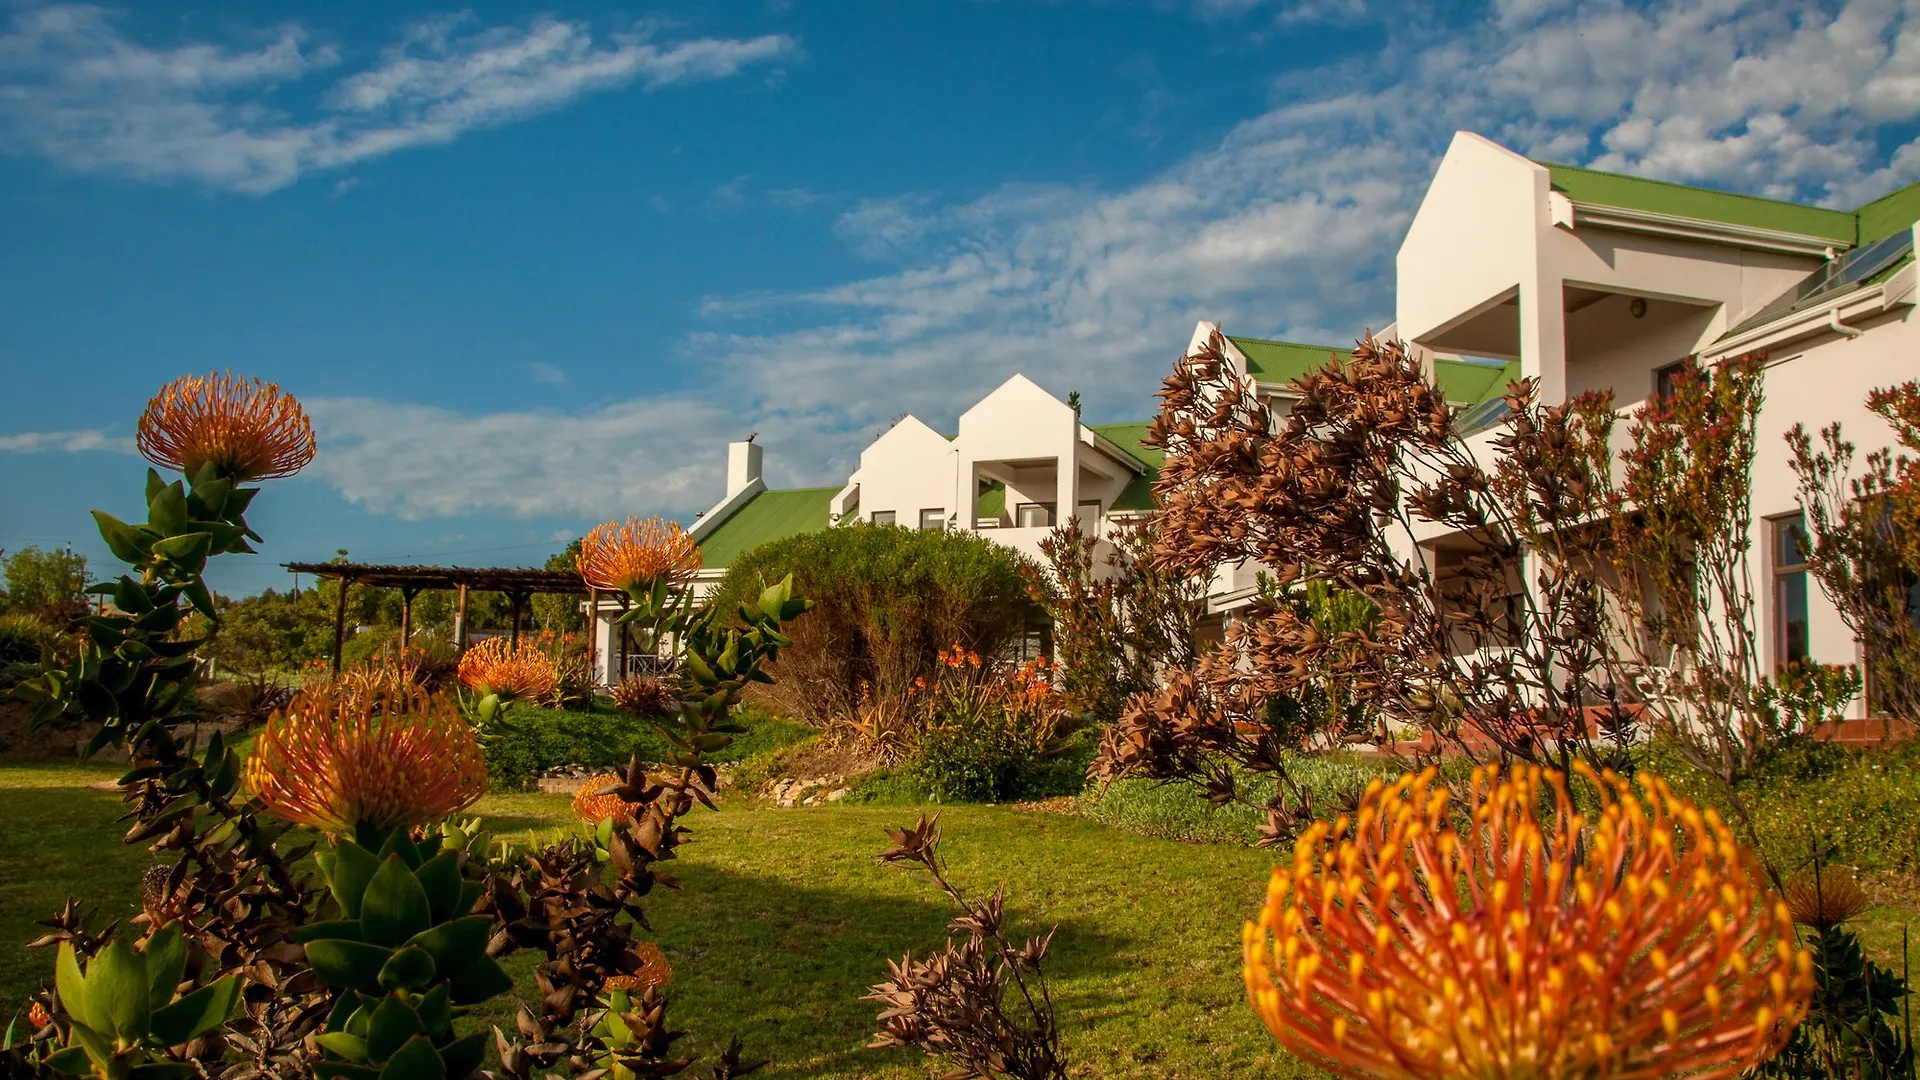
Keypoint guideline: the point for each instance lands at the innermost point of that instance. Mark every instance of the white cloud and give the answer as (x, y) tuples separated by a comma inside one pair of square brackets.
[(75, 90), (38, 442), (546, 373)]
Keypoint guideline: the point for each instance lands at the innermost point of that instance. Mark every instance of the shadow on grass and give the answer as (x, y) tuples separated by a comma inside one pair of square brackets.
[(784, 967)]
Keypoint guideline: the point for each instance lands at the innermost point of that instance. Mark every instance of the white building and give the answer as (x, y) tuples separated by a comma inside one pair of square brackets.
[(1586, 280), (1021, 463), (1580, 279)]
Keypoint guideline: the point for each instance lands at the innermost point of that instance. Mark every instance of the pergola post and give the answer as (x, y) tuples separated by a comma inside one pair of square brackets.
[(340, 621), (517, 603), (593, 634), (406, 617), (460, 622)]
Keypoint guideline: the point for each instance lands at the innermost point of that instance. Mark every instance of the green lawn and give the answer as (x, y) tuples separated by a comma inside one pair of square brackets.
[(786, 917)]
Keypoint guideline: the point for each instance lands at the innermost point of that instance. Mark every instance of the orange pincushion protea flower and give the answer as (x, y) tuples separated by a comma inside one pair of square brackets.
[(246, 429), (1640, 944), (591, 803), (653, 970), (639, 552), (38, 1016), (335, 761), (510, 672)]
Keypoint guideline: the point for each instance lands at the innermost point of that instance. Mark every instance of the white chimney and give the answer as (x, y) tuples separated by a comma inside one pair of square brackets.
[(743, 465)]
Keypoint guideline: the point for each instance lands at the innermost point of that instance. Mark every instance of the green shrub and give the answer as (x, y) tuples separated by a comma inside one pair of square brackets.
[(15, 672), (1179, 810), (886, 601), (21, 636), (1865, 801), (540, 738)]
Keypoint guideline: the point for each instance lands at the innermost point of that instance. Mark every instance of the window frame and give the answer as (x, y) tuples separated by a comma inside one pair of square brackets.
[(941, 519), (1778, 573), (1020, 513), (882, 517), (1663, 379)]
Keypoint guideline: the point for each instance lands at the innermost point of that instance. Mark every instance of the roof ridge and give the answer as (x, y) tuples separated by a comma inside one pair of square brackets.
[(1690, 187), (1294, 344)]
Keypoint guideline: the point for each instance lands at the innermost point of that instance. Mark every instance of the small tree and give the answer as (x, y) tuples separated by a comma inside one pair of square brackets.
[(1118, 619), (1864, 543), (48, 584), (1516, 604)]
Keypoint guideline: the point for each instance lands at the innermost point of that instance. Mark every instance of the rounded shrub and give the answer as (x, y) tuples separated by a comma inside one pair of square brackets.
[(887, 600)]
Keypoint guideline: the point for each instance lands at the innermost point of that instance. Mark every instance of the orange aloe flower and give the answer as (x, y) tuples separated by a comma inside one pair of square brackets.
[(509, 672), (591, 803), (38, 1016), (335, 761), (246, 429), (639, 552), (1637, 944)]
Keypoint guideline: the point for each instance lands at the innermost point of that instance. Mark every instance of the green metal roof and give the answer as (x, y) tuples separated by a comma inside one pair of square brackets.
[(1285, 361), (1138, 494), (1889, 214), (1881, 217), (1705, 204), (1466, 383), (992, 502), (768, 516)]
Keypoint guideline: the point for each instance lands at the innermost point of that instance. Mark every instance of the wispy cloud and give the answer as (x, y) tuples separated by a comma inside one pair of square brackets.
[(546, 373), (39, 442), (77, 91)]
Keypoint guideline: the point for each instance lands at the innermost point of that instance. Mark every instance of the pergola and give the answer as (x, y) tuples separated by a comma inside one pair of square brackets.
[(518, 583)]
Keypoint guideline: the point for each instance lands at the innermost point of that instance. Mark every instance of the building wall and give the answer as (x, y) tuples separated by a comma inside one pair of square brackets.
[(1485, 227), (1818, 383), (906, 470)]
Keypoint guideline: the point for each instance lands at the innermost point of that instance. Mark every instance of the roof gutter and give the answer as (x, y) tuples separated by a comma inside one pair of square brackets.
[(1651, 223), (1834, 317)]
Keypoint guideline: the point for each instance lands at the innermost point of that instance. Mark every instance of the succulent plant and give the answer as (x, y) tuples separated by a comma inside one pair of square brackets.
[(404, 955), (123, 1012)]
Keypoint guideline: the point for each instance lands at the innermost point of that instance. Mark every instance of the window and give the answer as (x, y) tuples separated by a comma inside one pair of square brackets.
[(1663, 379), (933, 520), (1789, 559), (1035, 516), (882, 517), (1088, 511)]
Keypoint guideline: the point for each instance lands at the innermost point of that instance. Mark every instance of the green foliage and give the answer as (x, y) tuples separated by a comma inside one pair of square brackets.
[(1180, 810), (985, 762), (124, 1012), (23, 638), (50, 584), (540, 739), (1854, 1028), (887, 600), (1864, 801), (403, 956)]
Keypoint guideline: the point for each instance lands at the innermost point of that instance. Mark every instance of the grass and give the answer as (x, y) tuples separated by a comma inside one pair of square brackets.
[(786, 917)]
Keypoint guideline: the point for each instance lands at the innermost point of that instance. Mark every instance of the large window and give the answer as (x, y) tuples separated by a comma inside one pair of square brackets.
[(1088, 511), (933, 520), (1035, 516), (882, 517), (1789, 560)]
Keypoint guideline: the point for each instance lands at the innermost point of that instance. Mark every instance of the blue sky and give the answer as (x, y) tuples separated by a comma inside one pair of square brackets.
[(532, 267)]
